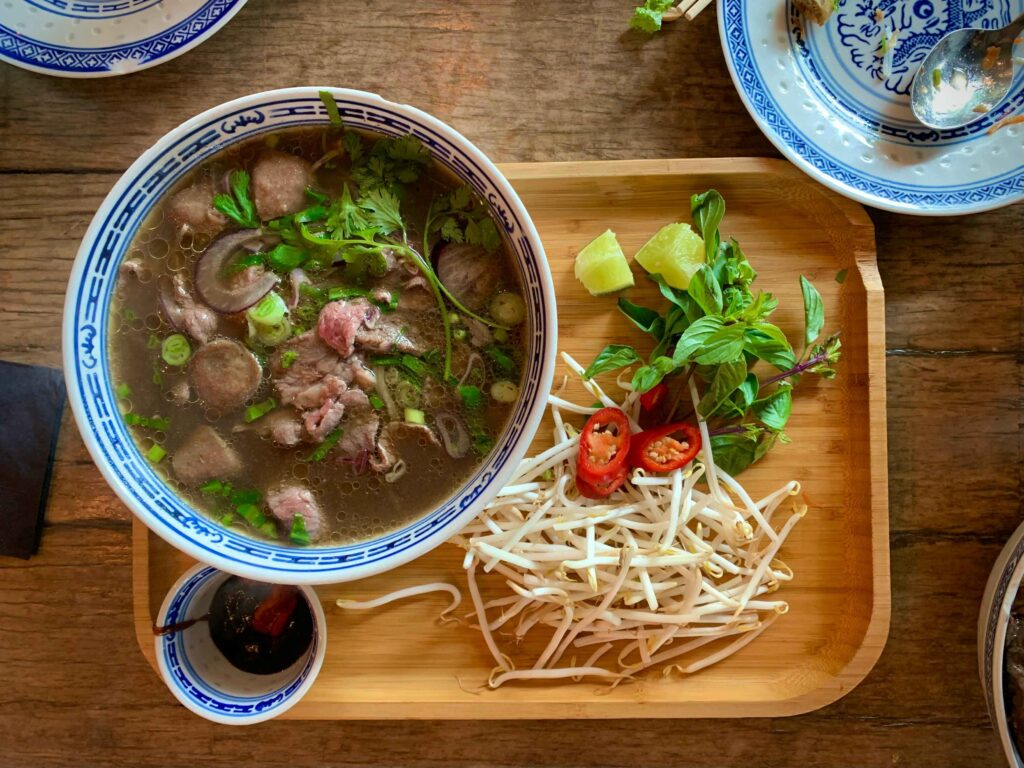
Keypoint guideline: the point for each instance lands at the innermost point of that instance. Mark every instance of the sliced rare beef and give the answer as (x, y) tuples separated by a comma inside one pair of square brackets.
[(341, 322), (479, 334), (283, 426), (279, 182), (306, 382), (292, 500), (191, 210), (224, 373), (184, 312), (468, 272), (359, 441), (205, 456)]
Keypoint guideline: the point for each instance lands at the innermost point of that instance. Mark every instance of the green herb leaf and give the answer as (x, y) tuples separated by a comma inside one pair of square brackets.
[(734, 452), (332, 108), (649, 376), (611, 358), (769, 343), (238, 206), (298, 533), (472, 397), (747, 391), (708, 210), (285, 258), (705, 290), (727, 379), (648, 17), (841, 276), (814, 311), (774, 410), (694, 338), (723, 346), (382, 210), (643, 318)]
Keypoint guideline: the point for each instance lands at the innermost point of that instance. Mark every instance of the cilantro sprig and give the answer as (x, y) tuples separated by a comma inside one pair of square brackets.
[(238, 206), (716, 331)]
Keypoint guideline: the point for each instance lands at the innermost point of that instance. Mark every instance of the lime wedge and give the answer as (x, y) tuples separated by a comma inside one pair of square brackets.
[(602, 267), (675, 252)]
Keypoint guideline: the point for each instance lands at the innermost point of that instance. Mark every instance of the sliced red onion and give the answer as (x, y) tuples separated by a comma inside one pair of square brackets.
[(298, 279), (453, 434), (210, 282)]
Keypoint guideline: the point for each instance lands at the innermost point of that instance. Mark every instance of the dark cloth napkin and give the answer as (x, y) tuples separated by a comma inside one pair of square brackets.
[(31, 404)]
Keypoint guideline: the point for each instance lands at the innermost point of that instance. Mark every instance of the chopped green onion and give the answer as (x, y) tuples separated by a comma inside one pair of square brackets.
[(155, 453), (288, 357), (472, 397), (252, 515), (298, 533), (415, 416), (413, 365), (123, 390), (158, 378), (548, 474), (287, 257), (243, 263), (272, 335), (408, 394), (270, 310), (245, 496), (332, 108), (156, 423), (316, 195), (936, 77), (376, 402), (459, 333), (176, 350), (259, 410), (501, 359), (325, 447), (500, 335), (227, 519), (153, 341), (213, 487), (342, 292), (128, 315), (454, 318)]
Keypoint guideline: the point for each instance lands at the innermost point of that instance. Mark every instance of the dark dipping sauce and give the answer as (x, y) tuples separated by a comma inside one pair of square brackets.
[(233, 614)]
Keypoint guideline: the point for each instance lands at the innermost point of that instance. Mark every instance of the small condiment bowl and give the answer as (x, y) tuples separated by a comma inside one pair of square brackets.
[(202, 678)]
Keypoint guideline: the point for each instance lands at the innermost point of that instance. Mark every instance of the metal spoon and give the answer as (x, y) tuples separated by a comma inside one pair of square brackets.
[(966, 74)]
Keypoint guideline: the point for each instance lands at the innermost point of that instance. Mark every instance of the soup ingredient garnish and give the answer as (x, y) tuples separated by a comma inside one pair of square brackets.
[(604, 451), (298, 533), (666, 448), (259, 410), (156, 453), (238, 206), (675, 252), (660, 574), (712, 333), (602, 267), (175, 350)]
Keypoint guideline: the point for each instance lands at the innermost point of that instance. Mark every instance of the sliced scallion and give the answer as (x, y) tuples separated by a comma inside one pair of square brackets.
[(123, 390), (153, 341), (259, 410), (376, 402), (325, 447), (252, 515), (287, 257), (212, 487), (269, 311), (472, 397), (415, 416), (156, 453), (298, 534), (175, 350), (272, 335), (288, 357)]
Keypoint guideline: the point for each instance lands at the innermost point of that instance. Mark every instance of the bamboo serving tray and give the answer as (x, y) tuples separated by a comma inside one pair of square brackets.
[(399, 662)]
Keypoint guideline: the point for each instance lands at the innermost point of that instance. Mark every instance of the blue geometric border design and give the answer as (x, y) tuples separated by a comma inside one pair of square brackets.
[(64, 59), (734, 27), (88, 309)]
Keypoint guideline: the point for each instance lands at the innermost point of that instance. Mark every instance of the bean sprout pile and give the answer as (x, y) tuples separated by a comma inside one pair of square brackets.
[(662, 571)]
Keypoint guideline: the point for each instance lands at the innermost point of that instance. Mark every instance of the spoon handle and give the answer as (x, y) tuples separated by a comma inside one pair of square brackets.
[(1016, 27)]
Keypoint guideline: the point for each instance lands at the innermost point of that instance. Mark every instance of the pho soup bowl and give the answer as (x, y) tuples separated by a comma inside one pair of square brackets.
[(993, 626), (203, 679), (87, 328)]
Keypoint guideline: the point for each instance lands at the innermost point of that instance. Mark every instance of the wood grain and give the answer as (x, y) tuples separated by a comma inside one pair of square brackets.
[(527, 81)]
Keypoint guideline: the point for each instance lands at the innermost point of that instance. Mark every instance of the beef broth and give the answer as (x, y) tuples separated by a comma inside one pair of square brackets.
[(353, 397)]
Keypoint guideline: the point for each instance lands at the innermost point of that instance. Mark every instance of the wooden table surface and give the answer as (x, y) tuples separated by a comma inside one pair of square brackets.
[(527, 80)]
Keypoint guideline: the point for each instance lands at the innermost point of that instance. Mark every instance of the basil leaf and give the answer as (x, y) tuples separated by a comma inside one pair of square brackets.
[(734, 264), (694, 338), (705, 290), (680, 298), (707, 210), (747, 391), (723, 346), (649, 376), (611, 358), (841, 276), (727, 379), (734, 453), (643, 318), (774, 410), (814, 311), (766, 443), (769, 343), (762, 306)]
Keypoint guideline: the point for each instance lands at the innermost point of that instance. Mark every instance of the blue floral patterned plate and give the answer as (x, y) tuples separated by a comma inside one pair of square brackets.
[(102, 38), (829, 101)]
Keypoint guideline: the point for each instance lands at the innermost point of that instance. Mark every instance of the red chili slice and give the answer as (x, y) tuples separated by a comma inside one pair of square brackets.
[(665, 448), (272, 614), (604, 447), (602, 489), (652, 398)]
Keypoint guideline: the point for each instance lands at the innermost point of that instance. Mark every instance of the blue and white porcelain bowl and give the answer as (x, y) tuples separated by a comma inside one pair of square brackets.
[(87, 369), (823, 96), (200, 676), (993, 622)]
